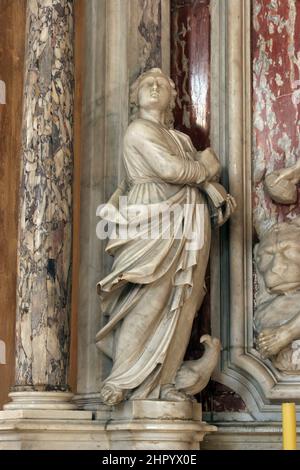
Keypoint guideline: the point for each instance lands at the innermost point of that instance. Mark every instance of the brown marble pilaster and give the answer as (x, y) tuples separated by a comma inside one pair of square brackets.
[(45, 219)]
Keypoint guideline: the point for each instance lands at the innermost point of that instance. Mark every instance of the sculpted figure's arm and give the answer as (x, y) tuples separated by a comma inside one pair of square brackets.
[(167, 166), (209, 158), (282, 184), (292, 173)]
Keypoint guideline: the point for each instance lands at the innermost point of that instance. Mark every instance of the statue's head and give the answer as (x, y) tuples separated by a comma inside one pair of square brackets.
[(153, 90), (277, 257)]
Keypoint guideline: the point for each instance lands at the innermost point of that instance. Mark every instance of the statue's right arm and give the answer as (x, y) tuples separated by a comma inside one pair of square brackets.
[(142, 141)]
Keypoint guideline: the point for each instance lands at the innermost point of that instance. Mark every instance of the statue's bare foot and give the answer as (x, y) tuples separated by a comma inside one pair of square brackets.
[(170, 393), (271, 341), (112, 395)]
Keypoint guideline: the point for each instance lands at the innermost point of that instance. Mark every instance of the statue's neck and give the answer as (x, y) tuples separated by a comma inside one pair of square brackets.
[(153, 115)]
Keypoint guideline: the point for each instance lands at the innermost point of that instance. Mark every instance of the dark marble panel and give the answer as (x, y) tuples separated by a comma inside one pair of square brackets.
[(190, 68), (219, 398)]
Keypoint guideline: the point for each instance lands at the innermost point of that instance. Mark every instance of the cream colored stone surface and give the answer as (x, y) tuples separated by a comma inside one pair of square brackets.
[(52, 430), (246, 436), (157, 425), (145, 435), (134, 425), (40, 401), (162, 410), (33, 414)]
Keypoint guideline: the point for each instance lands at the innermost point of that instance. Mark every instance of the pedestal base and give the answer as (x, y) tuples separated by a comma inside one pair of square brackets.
[(40, 401), (157, 425), (247, 436), (140, 424), (50, 430)]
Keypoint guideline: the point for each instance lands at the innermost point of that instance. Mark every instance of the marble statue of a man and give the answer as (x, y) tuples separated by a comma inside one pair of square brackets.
[(277, 316), (277, 258), (156, 284)]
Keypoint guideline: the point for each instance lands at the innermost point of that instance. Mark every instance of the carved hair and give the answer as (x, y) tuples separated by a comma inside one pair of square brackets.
[(134, 92)]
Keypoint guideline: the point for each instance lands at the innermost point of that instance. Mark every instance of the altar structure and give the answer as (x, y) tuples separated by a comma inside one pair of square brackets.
[(235, 64)]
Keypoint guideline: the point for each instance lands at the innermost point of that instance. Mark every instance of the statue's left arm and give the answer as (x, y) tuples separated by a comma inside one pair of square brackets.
[(224, 202)]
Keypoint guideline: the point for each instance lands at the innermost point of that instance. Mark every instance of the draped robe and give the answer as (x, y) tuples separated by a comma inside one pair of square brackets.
[(156, 285)]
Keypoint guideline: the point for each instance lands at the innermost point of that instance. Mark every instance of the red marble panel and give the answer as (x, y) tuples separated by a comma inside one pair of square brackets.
[(190, 68), (219, 398), (276, 99)]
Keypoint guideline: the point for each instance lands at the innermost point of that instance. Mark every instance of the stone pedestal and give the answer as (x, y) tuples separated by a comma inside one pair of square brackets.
[(134, 425), (157, 425), (50, 430), (247, 436), (40, 401)]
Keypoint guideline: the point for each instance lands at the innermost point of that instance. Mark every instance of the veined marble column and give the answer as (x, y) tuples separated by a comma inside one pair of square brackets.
[(45, 220)]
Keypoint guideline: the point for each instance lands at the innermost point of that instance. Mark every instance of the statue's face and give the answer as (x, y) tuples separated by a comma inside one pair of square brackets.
[(154, 92), (278, 259)]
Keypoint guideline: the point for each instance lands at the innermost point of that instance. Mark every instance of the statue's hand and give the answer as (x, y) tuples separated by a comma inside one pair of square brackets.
[(231, 206), (209, 159)]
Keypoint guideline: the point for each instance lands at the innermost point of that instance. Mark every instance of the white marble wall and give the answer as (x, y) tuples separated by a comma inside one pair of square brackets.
[(122, 39)]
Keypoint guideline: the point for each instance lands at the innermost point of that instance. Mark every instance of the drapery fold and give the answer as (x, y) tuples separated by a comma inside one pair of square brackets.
[(152, 279)]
